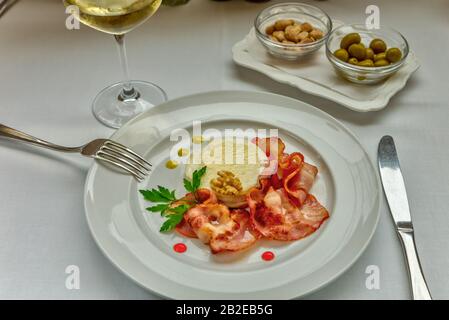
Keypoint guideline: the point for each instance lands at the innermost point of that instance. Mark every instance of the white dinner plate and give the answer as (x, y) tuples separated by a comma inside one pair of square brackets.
[(129, 236)]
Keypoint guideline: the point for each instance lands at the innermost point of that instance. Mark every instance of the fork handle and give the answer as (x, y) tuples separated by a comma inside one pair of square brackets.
[(19, 135)]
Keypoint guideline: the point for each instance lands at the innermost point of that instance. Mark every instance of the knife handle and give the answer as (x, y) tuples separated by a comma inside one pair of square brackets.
[(418, 282)]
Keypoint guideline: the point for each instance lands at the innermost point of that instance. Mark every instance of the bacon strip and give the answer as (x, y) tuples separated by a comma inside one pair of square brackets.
[(272, 146), (222, 229), (299, 182), (274, 149), (293, 174), (275, 217), (204, 196), (240, 238), (184, 229)]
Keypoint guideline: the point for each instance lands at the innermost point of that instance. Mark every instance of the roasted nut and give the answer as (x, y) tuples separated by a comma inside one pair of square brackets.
[(292, 27), (230, 190), (226, 183), (216, 183), (279, 35), (269, 30), (292, 32), (289, 31), (273, 38), (306, 26), (303, 35), (280, 25), (306, 40), (316, 34)]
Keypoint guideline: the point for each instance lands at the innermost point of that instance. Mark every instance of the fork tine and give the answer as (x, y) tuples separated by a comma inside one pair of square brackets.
[(133, 173), (121, 153), (125, 162), (122, 147)]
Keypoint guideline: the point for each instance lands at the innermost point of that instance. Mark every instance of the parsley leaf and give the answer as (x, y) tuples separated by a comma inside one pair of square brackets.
[(165, 198), (158, 208), (196, 179), (173, 219), (181, 209), (166, 193), (188, 185), (193, 185), (158, 195)]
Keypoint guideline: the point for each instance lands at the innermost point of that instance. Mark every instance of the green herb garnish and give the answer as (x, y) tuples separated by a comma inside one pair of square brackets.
[(160, 195), (165, 201), (174, 218), (193, 185)]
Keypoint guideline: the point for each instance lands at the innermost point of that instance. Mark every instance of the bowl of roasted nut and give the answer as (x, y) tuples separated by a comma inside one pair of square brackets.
[(366, 56), (292, 30)]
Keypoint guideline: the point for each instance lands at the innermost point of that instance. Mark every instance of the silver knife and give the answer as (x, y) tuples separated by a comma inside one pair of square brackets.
[(394, 188)]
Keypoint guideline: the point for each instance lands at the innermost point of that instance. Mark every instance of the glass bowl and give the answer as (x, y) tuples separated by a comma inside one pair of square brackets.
[(366, 75), (298, 12)]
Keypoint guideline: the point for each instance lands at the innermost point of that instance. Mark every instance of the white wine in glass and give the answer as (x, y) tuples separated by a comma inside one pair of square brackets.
[(118, 103)]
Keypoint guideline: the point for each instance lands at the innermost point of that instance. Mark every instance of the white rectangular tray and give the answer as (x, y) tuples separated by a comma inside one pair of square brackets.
[(315, 75)]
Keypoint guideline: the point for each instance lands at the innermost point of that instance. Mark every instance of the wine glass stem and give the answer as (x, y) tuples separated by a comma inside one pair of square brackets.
[(128, 92)]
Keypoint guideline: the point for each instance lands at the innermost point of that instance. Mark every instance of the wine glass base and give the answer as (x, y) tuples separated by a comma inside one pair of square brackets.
[(113, 111)]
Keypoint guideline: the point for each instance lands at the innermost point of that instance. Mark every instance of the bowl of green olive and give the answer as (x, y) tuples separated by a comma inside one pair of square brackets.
[(366, 56)]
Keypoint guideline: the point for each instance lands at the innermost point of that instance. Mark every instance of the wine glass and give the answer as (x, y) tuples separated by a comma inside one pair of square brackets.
[(119, 102)]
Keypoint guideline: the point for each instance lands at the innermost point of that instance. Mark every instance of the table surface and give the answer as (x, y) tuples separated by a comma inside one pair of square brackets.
[(49, 76)]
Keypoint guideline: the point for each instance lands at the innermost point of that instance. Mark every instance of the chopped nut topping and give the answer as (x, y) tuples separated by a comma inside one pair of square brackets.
[(226, 183)]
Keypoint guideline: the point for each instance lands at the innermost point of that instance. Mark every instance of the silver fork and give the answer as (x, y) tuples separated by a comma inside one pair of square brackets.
[(102, 149)]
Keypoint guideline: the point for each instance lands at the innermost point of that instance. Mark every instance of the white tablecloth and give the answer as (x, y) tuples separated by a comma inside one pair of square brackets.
[(49, 76)]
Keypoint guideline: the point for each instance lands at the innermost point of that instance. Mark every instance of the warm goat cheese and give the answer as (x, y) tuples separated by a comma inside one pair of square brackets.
[(237, 155)]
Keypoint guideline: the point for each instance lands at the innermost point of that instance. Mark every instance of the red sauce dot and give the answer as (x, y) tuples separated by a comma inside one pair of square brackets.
[(180, 247), (268, 256)]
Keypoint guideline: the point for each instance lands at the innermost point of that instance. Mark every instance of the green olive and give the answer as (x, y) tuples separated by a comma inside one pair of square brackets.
[(380, 56), (378, 45), (358, 51), (369, 53), (394, 55), (342, 54), (353, 61), (366, 63), (349, 39), (381, 63)]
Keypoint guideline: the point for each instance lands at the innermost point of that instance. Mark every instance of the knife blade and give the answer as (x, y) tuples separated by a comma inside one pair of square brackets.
[(393, 183), (395, 192)]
